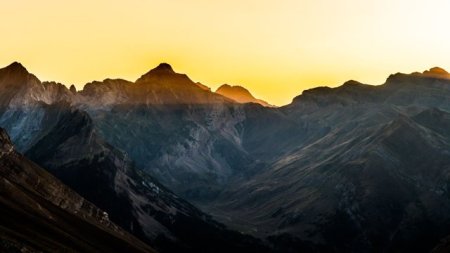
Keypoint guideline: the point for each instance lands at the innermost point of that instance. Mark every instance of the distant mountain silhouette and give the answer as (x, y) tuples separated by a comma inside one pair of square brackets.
[(436, 72), (240, 95)]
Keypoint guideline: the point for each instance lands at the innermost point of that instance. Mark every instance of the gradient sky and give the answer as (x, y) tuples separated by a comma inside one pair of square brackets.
[(274, 48)]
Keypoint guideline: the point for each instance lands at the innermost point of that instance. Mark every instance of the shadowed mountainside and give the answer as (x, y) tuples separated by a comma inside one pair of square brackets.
[(40, 214), (370, 172), (134, 200)]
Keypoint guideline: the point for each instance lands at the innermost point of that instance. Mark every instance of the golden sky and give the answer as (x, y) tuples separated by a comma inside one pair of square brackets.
[(275, 48)]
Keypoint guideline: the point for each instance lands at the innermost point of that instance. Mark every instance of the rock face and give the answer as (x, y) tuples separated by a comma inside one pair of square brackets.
[(39, 213), (356, 168), (74, 153), (186, 148), (240, 95)]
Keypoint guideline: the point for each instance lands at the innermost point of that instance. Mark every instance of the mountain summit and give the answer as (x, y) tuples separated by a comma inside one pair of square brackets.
[(14, 70), (240, 95), (436, 72), (162, 70), (17, 67)]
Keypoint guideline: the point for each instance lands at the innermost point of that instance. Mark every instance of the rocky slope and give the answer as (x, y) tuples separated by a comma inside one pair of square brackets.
[(40, 214), (74, 153)]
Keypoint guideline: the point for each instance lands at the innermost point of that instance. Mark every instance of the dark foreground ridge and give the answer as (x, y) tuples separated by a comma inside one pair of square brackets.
[(39, 213)]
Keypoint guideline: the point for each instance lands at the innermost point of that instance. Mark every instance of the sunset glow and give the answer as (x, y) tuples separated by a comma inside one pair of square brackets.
[(276, 49)]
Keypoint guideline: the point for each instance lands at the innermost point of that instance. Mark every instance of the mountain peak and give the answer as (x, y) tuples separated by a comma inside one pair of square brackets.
[(163, 68), (436, 71), (16, 67), (237, 90), (73, 89), (16, 75), (351, 83), (240, 94)]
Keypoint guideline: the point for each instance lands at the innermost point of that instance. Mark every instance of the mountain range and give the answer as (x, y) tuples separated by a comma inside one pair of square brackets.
[(356, 168)]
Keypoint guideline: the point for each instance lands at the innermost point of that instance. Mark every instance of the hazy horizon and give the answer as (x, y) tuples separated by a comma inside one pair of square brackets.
[(275, 49)]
